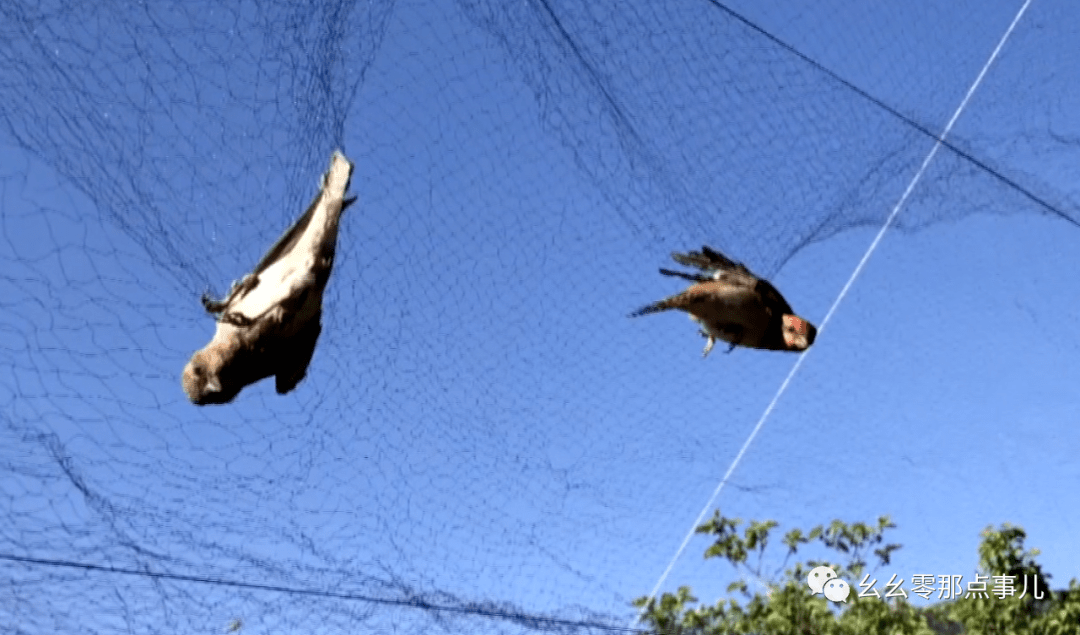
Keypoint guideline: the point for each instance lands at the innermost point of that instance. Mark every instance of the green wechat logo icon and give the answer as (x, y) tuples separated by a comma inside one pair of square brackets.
[(823, 580)]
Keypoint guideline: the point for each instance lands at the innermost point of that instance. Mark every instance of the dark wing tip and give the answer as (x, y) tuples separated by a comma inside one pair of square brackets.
[(708, 259), (695, 277), (720, 259)]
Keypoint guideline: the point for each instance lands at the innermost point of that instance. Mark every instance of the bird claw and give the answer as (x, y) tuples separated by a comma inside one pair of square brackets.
[(211, 305)]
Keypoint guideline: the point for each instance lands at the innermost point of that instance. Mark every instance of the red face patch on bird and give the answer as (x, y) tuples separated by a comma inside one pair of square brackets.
[(798, 333)]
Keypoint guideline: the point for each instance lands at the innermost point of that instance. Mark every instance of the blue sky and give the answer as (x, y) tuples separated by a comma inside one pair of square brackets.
[(481, 421)]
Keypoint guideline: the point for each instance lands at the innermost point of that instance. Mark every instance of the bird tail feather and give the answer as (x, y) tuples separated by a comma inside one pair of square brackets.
[(655, 307)]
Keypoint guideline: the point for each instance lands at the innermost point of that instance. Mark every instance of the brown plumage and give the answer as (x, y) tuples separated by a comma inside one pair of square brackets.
[(270, 320), (732, 304)]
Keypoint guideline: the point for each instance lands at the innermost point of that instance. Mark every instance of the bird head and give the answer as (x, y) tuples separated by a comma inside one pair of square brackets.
[(201, 378), (798, 333)]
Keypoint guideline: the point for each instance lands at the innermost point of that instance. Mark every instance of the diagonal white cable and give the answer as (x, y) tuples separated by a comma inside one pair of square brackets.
[(843, 292)]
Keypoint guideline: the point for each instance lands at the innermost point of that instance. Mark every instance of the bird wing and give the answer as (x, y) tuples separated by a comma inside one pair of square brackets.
[(300, 261), (331, 180), (772, 298), (726, 282), (281, 290), (289, 239), (735, 274), (717, 264)]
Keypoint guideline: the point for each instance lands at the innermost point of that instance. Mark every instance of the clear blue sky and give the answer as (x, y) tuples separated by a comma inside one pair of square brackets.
[(481, 422)]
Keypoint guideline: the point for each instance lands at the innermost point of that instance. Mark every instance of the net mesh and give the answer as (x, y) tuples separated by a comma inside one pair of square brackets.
[(482, 444)]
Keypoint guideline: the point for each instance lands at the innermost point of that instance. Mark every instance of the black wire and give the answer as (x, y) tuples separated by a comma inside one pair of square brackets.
[(533, 620), (892, 111)]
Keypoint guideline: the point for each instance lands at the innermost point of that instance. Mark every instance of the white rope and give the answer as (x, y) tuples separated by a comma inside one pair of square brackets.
[(828, 316)]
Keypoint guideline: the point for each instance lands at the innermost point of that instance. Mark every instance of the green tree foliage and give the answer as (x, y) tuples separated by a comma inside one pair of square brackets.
[(780, 602)]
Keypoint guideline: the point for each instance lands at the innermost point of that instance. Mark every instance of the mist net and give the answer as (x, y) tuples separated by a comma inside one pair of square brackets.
[(484, 442)]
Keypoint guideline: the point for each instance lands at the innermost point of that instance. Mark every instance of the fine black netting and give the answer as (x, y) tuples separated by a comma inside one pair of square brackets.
[(484, 442)]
